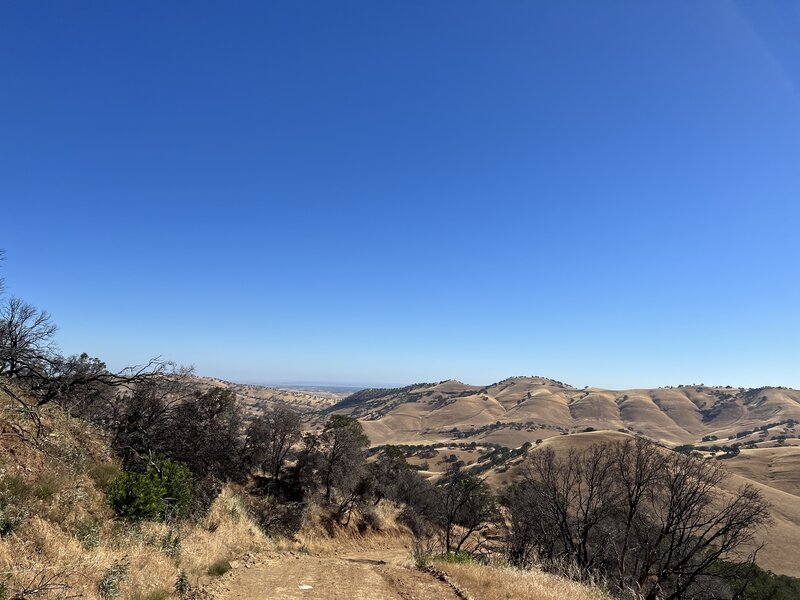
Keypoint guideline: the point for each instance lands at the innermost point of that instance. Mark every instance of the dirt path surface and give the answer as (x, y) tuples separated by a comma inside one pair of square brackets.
[(374, 575)]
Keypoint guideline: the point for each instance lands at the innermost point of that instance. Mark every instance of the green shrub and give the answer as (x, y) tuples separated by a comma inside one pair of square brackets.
[(47, 486), (162, 490), (9, 519), (15, 489), (138, 495), (421, 561), (218, 568), (13, 492), (177, 481), (74, 457), (761, 584), (458, 557)]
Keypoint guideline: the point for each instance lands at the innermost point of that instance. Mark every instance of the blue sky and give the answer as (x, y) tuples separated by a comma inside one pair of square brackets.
[(382, 193)]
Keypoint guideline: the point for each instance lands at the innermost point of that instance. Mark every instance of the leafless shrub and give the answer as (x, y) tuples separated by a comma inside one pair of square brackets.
[(44, 583)]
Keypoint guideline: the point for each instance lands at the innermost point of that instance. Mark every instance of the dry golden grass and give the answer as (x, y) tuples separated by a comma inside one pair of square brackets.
[(486, 582), (227, 531), (64, 530), (364, 532), (43, 547)]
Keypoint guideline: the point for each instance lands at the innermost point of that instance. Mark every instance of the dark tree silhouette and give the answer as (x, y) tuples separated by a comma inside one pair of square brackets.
[(269, 439), (465, 507), (342, 445), (649, 520), (206, 434), (26, 341)]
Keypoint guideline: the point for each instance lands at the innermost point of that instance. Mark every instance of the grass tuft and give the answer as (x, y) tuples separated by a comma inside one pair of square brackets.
[(218, 568)]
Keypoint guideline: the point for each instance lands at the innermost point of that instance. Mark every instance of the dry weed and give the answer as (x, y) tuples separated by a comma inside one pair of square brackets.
[(488, 582)]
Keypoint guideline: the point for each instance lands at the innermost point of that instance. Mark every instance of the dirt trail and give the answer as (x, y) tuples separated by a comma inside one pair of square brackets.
[(375, 575)]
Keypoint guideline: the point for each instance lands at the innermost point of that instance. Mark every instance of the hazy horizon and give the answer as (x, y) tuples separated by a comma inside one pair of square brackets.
[(345, 192), (302, 384)]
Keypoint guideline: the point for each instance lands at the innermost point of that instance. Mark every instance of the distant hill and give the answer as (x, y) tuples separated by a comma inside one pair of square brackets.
[(258, 398), (520, 409)]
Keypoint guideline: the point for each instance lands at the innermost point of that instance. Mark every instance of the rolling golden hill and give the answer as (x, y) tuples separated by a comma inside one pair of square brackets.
[(521, 409)]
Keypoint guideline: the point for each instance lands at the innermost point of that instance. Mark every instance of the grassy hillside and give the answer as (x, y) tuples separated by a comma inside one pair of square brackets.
[(522, 409), (59, 536), (258, 398)]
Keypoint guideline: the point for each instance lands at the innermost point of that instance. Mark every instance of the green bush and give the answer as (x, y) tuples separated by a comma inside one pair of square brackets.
[(15, 490), (74, 457), (458, 557), (138, 495), (47, 486), (9, 519), (761, 584), (171, 544), (13, 493), (177, 481), (164, 489)]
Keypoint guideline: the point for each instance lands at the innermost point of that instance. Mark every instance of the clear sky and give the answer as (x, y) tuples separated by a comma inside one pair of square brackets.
[(606, 193)]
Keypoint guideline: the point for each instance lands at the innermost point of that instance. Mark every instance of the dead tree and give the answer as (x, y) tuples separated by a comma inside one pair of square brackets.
[(466, 507), (651, 521), (26, 340)]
